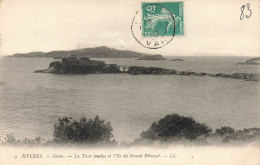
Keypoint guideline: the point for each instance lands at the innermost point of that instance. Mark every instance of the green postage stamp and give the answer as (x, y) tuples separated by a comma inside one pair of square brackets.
[(158, 22), (162, 19)]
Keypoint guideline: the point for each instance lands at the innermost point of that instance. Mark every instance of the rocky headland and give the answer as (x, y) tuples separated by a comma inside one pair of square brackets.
[(83, 65)]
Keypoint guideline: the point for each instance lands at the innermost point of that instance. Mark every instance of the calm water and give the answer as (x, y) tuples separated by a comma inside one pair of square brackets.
[(31, 103)]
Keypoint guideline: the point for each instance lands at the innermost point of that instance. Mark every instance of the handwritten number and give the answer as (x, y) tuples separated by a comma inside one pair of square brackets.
[(242, 11), (248, 5)]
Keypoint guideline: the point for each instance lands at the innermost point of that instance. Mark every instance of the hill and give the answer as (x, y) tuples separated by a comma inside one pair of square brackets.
[(98, 52)]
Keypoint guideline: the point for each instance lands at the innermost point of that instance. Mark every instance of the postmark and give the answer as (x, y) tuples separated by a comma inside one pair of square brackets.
[(155, 25)]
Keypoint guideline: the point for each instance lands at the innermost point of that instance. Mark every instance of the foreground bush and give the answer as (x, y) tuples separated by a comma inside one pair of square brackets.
[(175, 127), (228, 134), (11, 140), (184, 130), (89, 131)]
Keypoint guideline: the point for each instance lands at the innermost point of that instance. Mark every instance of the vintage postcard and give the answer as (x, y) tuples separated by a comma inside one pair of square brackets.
[(130, 82)]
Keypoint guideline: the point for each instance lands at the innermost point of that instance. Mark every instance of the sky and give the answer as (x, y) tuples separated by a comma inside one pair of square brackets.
[(212, 27)]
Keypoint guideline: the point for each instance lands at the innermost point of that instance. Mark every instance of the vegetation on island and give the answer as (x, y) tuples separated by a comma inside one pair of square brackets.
[(172, 129)]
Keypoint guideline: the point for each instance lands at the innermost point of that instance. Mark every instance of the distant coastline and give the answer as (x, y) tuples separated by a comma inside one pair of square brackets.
[(97, 52)]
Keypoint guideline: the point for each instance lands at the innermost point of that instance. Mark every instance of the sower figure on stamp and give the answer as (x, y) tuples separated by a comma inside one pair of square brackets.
[(165, 16)]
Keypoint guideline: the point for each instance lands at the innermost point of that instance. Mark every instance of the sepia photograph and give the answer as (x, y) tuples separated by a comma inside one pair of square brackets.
[(130, 82)]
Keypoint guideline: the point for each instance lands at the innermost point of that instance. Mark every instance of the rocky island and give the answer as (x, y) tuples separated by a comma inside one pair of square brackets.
[(97, 52), (177, 59), (253, 61), (152, 57), (83, 65), (79, 65), (158, 57)]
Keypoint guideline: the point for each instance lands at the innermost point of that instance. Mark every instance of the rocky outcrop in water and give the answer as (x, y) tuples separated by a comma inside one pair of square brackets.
[(79, 65), (136, 70), (177, 59), (253, 61), (83, 65)]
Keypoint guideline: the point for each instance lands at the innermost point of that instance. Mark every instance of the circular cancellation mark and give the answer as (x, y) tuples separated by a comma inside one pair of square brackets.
[(153, 27)]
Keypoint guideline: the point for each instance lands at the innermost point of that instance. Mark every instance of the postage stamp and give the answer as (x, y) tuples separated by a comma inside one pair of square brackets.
[(155, 25), (158, 19)]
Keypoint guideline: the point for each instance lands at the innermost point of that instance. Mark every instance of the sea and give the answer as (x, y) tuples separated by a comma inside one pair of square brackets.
[(31, 103)]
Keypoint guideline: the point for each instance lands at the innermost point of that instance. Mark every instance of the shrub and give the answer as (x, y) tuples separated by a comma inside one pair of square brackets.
[(228, 134), (223, 131), (175, 126), (248, 134), (37, 140), (89, 131), (11, 140)]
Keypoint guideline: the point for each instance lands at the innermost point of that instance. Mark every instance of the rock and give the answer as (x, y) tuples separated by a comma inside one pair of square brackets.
[(112, 68), (221, 75), (136, 70), (55, 67), (246, 76), (146, 70), (200, 74), (39, 71)]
